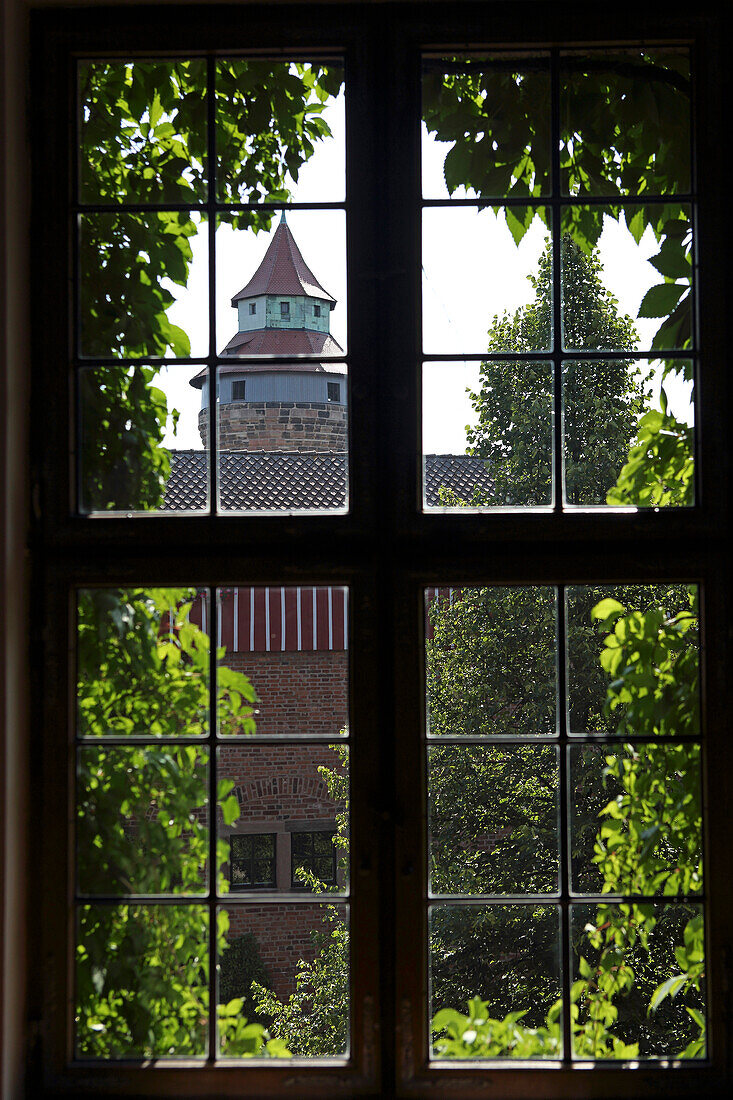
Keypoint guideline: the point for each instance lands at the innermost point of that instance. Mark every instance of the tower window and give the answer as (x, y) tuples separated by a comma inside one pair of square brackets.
[(285, 309), (238, 390), (316, 311), (333, 391), (252, 308)]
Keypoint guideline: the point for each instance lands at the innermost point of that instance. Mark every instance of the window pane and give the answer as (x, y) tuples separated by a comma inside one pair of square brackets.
[(636, 819), (142, 662), (628, 433), (143, 285), (622, 273), (486, 125), (280, 130), (290, 645), (633, 660), (142, 820), (490, 661), (487, 434), (493, 819), (120, 1016), (297, 796), (625, 118), (289, 966), (626, 957), (142, 131), (134, 453), (508, 957), (480, 291)]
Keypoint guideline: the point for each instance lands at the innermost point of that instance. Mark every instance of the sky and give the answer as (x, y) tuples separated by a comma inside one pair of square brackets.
[(472, 271)]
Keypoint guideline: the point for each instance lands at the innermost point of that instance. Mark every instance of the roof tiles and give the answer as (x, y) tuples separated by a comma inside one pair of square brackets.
[(283, 271)]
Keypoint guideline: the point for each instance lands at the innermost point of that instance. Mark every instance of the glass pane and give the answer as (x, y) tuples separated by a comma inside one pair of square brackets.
[(284, 968), (490, 661), (493, 819), (507, 956), (487, 434), (487, 279), (639, 983), (633, 660), (285, 821), (142, 131), (291, 267), (625, 121), (143, 285), (118, 1014), (486, 125), (280, 130), (142, 820), (284, 671), (142, 662), (628, 433), (636, 819), (626, 277), (137, 449)]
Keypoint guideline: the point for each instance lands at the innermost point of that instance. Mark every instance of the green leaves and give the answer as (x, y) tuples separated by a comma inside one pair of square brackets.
[(660, 300)]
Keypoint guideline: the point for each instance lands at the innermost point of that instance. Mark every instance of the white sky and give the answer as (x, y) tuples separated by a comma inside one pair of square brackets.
[(472, 270)]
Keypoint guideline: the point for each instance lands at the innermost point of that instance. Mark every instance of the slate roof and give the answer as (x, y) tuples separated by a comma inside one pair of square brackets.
[(286, 480), (283, 271)]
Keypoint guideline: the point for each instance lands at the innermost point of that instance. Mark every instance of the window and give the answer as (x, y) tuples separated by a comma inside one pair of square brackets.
[(252, 861), (316, 311), (468, 781), (252, 308), (239, 389), (313, 853)]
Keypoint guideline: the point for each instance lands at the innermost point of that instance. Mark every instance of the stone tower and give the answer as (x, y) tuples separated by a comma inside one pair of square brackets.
[(299, 406)]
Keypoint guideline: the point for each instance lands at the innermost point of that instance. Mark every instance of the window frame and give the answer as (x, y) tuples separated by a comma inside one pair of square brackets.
[(385, 547), (271, 883)]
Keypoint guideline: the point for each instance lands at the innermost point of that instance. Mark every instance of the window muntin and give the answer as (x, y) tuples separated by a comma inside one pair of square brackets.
[(146, 289), (312, 853), (596, 838), (612, 276)]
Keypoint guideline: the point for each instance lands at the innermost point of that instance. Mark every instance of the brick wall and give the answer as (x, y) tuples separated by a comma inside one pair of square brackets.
[(278, 426), (283, 934), (299, 693), (279, 789)]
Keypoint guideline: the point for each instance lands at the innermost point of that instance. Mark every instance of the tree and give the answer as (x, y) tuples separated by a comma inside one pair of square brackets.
[(143, 828), (602, 402)]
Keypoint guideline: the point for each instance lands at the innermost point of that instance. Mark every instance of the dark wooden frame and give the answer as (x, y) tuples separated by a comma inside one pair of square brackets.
[(237, 860), (385, 548)]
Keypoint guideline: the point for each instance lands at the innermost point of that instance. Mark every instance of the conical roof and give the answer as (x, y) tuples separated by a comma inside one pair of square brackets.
[(283, 271)]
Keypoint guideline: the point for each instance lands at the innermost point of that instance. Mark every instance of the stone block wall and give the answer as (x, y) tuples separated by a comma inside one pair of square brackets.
[(279, 426)]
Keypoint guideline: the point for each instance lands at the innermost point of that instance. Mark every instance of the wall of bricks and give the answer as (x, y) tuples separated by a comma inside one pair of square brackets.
[(278, 788), (278, 426), (283, 934), (299, 693)]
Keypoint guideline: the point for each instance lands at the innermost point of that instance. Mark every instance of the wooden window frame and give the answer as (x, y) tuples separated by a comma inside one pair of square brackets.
[(385, 548), (271, 883)]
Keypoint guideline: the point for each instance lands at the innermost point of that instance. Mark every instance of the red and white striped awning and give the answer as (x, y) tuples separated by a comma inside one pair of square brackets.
[(279, 619)]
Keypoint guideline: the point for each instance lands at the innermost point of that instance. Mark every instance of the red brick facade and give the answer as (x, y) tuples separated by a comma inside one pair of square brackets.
[(279, 789)]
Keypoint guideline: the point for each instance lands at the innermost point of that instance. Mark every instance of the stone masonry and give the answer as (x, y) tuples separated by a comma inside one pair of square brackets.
[(278, 426)]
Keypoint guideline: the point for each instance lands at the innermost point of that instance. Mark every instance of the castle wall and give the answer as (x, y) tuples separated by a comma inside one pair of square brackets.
[(279, 426)]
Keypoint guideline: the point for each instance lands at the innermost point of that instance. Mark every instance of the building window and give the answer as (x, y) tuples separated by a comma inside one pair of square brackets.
[(507, 742), (252, 308), (239, 388), (316, 311), (313, 854), (252, 861)]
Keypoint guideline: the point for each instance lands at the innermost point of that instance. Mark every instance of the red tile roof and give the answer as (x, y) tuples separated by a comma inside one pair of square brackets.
[(283, 271)]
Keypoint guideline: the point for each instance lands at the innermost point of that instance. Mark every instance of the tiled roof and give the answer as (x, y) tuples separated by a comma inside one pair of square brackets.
[(283, 341), (283, 271), (285, 480)]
